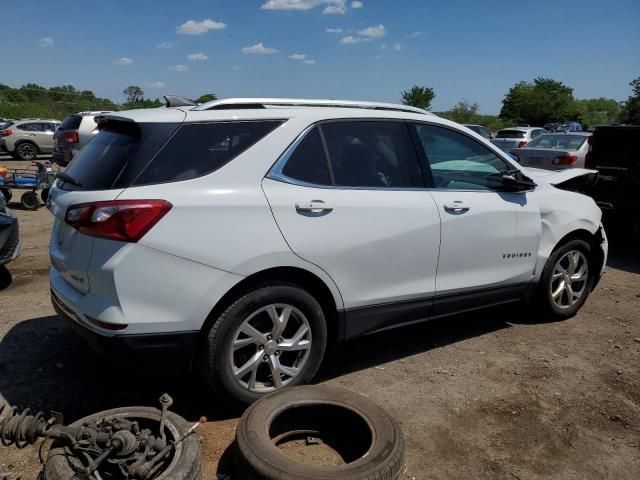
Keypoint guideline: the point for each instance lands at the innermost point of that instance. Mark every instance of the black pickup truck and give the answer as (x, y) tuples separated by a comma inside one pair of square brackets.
[(615, 152)]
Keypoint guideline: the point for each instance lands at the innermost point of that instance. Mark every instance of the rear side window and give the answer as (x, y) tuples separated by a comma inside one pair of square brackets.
[(510, 134), (308, 163), (201, 148), (28, 127), (367, 154), (72, 122)]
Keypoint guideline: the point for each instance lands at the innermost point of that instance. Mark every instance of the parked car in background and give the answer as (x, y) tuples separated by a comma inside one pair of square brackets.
[(9, 234), (615, 152), (73, 134), (254, 232), (5, 123), (554, 151), (25, 139), (480, 130), (516, 137)]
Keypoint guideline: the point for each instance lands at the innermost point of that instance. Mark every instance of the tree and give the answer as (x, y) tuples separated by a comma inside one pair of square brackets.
[(545, 100), (207, 97), (418, 96), (631, 109), (464, 111), (599, 111), (134, 94)]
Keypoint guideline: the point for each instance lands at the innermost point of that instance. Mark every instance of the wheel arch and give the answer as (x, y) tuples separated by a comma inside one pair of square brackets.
[(21, 141), (305, 279)]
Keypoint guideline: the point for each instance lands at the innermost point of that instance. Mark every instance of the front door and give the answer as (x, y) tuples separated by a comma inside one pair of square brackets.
[(489, 237)]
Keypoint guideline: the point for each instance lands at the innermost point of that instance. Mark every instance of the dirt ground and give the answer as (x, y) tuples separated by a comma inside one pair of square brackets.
[(489, 395)]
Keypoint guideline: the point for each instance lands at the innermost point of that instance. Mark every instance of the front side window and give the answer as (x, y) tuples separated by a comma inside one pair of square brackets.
[(459, 162), (367, 154)]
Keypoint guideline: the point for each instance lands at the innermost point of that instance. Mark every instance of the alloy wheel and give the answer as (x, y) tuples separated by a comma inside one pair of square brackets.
[(27, 151), (569, 279), (270, 348)]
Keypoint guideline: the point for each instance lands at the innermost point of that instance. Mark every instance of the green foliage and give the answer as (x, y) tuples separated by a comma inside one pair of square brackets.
[(207, 97), (631, 109), (542, 101), (418, 96), (492, 122), (134, 94), (598, 111), (35, 101), (464, 111)]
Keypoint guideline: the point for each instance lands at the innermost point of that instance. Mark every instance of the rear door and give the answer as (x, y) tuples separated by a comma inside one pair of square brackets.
[(489, 237), (359, 216)]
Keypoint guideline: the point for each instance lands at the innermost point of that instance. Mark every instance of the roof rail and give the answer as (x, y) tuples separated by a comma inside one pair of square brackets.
[(244, 103), (177, 101)]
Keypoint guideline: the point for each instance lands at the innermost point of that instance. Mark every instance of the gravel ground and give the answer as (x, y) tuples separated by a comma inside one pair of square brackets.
[(489, 395)]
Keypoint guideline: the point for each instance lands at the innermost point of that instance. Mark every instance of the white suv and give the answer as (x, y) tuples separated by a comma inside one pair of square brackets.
[(243, 236)]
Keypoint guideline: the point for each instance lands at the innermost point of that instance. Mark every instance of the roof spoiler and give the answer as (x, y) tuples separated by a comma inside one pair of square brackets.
[(177, 101)]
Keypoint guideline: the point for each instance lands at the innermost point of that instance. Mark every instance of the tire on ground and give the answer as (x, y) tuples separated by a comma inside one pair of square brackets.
[(29, 200), (186, 464), (355, 422), (543, 300), (214, 361)]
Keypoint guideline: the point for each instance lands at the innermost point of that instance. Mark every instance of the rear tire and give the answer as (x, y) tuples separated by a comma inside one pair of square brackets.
[(44, 195), (7, 194), (247, 372), (566, 281), (27, 151)]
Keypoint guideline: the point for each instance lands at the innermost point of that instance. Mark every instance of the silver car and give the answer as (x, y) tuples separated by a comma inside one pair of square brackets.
[(554, 151), (516, 137), (73, 134), (25, 139)]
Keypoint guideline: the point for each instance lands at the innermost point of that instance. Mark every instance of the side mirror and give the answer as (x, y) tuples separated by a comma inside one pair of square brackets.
[(516, 182)]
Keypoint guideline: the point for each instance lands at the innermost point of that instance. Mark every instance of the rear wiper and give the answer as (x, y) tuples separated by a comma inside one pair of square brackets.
[(65, 177)]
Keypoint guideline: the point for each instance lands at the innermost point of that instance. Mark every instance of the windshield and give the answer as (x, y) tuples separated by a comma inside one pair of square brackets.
[(510, 134), (560, 142)]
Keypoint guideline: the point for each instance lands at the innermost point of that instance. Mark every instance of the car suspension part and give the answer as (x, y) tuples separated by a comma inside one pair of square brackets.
[(124, 447)]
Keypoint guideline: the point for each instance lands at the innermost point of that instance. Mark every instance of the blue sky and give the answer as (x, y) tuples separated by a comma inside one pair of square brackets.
[(367, 50)]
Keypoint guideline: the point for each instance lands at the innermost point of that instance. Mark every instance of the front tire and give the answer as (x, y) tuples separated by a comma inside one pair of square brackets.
[(270, 338), (566, 281)]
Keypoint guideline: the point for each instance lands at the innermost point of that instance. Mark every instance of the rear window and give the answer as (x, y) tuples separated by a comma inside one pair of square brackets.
[(72, 122), (560, 142), (510, 134), (127, 153)]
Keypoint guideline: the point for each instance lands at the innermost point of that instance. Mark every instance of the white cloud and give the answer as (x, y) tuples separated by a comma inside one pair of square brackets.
[(333, 30), (46, 42), (297, 56), (197, 56), (309, 61), (338, 8), (258, 49), (193, 27), (357, 4), (350, 40), (397, 46), (332, 6), (123, 61), (178, 68), (375, 31), (157, 85), (165, 45), (416, 34)]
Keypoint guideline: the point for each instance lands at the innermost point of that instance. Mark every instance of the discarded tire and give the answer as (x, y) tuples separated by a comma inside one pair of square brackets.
[(367, 441), (186, 463)]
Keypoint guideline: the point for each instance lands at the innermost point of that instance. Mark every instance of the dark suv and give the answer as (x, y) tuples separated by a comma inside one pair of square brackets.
[(615, 152)]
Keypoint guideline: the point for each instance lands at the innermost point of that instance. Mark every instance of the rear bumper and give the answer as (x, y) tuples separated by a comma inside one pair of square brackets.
[(170, 351)]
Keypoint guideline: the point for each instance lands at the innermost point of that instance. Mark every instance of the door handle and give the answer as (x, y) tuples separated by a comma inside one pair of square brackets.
[(314, 206), (456, 207)]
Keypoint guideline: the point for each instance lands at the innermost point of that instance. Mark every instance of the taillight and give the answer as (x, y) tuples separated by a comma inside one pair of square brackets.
[(522, 143), (6, 132), (123, 220), (71, 137), (565, 160)]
